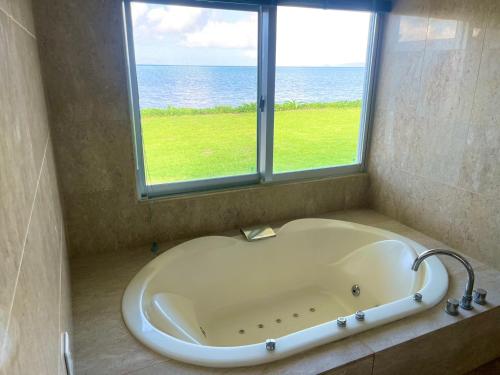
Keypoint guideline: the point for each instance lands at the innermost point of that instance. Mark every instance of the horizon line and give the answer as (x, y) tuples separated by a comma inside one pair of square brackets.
[(255, 66)]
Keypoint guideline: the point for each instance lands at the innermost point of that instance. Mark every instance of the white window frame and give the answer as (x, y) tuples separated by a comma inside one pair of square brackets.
[(265, 108)]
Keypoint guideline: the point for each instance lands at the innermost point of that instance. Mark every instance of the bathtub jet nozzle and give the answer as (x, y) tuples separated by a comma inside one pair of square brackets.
[(270, 345), (341, 321)]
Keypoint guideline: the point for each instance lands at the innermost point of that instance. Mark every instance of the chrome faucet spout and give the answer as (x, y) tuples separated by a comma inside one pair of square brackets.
[(466, 301)]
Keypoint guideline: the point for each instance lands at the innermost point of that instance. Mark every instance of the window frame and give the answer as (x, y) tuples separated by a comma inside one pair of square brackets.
[(266, 69)]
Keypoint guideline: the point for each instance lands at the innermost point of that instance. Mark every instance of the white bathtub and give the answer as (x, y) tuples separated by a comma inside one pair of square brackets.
[(214, 301)]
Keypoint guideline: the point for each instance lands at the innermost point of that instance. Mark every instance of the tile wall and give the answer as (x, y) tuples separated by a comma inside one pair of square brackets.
[(435, 154), (34, 276)]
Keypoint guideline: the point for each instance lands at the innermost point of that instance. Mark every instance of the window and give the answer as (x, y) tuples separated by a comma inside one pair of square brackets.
[(320, 74), (226, 94)]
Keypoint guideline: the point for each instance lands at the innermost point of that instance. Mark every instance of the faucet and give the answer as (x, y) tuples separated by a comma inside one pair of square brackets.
[(465, 302)]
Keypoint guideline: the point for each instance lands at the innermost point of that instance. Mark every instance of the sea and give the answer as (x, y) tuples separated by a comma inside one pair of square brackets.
[(161, 86)]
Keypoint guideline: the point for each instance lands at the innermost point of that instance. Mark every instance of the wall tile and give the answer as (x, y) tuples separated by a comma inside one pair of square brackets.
[(461, 349), (480, 240), (406, 27), (35, 314), (457, 24), (21, 12), (445, 103), (11, 225), (480, 172), (5, 6), (86, 77), (436, 141), (492, 37), (23, 137), (394, 93), (96, 156), (31, 222), (106, 221)]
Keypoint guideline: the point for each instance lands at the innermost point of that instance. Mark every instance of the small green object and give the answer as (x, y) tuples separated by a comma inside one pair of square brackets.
[(155, 247)]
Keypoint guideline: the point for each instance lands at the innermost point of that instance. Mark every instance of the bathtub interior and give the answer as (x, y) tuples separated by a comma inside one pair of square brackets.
[(220, 291)]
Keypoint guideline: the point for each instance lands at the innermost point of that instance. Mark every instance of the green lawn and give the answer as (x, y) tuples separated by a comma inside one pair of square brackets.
[(185, 144)]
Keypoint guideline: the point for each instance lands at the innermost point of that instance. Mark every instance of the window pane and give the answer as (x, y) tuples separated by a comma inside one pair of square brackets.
[(320, 74), (197, 82)]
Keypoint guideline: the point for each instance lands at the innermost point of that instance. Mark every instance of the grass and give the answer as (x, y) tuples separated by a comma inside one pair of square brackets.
[(186, 143)]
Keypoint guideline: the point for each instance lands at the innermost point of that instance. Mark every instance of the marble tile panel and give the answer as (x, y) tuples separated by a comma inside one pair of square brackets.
[(359, 367), (435, 144), (398, 86), (478, 240), (102, 344), (106, 221), (492, 36), (12, 227), (33, 340), (23, 137), (457, 25), (95, 156), (21, 11), (480, 172), (448, 87), (462, 348), (406, 26), (207, 213), (5, 6), (86, 79)]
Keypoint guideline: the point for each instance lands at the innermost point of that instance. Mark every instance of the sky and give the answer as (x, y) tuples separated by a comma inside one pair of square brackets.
[(180, 35)]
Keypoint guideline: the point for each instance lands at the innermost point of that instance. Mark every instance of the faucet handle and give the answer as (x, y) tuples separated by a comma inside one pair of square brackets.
[(452, 306), (480, 296)]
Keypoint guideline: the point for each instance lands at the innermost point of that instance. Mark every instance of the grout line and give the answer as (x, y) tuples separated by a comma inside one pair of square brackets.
[(24, 243), (11, 17)]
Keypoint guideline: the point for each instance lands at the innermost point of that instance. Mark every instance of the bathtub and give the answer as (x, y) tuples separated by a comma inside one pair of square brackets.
[(214, 301)]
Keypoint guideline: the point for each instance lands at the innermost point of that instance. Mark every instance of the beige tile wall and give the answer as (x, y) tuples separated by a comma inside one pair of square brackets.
[(435, 155), (84, 69), (34, 280)]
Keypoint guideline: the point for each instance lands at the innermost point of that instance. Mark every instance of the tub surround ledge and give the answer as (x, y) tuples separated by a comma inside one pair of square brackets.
[(103, 345)]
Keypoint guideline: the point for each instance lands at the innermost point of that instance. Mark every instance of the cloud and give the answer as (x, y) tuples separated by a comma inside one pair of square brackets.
[(138, 10), (306, 37), (317, 37), (222, 34), (173, 18)]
